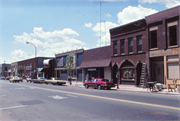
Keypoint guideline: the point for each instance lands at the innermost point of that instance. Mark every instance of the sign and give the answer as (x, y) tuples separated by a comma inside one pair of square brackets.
[(60, 62), (92, 69), (28, 68)]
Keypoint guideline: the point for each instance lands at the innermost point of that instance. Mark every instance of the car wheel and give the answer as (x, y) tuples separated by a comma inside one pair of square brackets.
[(99, 87), (86, 86)]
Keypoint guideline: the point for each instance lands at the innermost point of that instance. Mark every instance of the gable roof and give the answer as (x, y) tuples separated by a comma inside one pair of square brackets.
[(98, 57)]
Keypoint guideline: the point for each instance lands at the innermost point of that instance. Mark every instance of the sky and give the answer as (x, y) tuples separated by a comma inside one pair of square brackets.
[(57, 26)]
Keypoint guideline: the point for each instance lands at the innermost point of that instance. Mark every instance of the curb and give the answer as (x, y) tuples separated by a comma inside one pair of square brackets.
[(131, 91)]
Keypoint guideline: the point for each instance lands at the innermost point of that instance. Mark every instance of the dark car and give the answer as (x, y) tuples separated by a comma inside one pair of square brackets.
[(99, 83), (39, 80)]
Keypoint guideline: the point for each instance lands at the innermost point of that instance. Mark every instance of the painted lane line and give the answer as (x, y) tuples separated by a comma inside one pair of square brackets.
[(20, 106), (114, 99), (57, 97), (72, 96), (20, 88)]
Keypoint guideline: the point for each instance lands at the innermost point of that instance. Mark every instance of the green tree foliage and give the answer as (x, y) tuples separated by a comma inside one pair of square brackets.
[(20, 70), (69, 63)]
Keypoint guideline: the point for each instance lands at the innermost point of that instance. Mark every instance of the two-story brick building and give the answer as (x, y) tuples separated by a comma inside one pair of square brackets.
[(129, 49), (163, 31)]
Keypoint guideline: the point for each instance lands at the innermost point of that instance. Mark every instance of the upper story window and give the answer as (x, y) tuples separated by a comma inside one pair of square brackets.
[(153, 37), (115, 48), (122, 47), (139, 43), (172, 29), (172, 35), (130, 45)]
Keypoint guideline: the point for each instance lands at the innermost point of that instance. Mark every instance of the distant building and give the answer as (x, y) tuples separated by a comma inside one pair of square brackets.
[(5, 70)]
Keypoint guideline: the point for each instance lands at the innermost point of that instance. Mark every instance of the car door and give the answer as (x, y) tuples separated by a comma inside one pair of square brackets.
[(95, 83)]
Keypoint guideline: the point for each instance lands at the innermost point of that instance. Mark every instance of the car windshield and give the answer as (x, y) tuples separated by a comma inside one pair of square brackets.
[(16, 78), (105, 80)]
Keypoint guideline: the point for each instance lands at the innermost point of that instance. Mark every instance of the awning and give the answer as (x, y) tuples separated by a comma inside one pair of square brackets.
[(96, 63), (39, 70), (46, 62)]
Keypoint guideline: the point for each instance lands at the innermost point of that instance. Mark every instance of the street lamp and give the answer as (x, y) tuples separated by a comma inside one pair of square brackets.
[(35, 52)]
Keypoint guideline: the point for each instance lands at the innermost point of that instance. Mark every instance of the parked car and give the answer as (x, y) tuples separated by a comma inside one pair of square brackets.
[(99, 83), (39, 80), (7, 78), (2, 78), (28, 79), (55, 81), (14, 79), (21, 79)]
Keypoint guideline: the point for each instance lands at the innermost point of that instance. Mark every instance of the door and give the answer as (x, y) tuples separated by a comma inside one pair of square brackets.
[(159, 74)]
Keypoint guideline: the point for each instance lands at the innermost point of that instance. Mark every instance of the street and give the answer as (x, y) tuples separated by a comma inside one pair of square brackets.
[(39, 102)]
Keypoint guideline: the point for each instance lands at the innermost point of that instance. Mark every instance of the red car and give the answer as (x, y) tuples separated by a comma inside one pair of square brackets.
[(7, 78), (99, 83)]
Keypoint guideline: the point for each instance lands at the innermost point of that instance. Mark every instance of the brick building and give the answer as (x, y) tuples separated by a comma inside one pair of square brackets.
[(129, 49), (32, 66), (163, 31)]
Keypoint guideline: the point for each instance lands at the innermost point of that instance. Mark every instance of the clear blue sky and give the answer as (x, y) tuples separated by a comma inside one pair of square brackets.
[(62, 25)]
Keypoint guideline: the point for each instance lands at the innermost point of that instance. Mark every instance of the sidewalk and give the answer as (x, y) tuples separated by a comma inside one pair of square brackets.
[(128, 88)]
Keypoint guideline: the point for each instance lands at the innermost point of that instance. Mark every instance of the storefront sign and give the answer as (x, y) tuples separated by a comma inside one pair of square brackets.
[(60, 62), (92, 69), (28, 68)]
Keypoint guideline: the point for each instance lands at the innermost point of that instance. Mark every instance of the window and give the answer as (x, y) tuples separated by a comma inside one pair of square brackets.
[(31, 64), (115, 48), (153, 39), (172, 35), (130, 45), (122, 47), (34, 65), (139, 43)]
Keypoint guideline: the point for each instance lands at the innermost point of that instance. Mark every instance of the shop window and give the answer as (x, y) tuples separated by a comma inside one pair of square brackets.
[(172, 35), (139, 43), (115, 48), (130, 45), (153, 39), (127, 71), (173, 70), (122, 47)]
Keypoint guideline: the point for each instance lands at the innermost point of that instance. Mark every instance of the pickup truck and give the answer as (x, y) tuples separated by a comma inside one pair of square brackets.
[(55, 81)]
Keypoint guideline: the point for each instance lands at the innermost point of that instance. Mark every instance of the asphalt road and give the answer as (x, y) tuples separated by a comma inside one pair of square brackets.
[(39, 102)]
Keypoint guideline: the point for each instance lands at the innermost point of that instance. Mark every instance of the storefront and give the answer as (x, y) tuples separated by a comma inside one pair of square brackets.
[(96, 63), (62, 72)]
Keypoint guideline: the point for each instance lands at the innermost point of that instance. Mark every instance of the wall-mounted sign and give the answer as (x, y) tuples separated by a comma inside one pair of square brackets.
[(60, 62), (92, 69), (29, 68)]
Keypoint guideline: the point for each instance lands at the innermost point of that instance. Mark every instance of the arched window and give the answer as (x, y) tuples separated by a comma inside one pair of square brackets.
[(127, 71)]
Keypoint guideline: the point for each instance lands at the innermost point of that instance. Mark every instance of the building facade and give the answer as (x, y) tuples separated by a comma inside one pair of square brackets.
[(5, 70), (129, 49), (60, 70), (164, 43), (32, 67), (96, 63)]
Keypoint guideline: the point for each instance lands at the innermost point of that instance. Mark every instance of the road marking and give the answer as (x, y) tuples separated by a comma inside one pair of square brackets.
[(20, 88), (72, 96), (100, 97), (57, 97), (20, 106)]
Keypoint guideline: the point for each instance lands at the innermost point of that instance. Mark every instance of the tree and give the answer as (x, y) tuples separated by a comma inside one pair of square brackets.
[(69, 63), (20, 70)]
